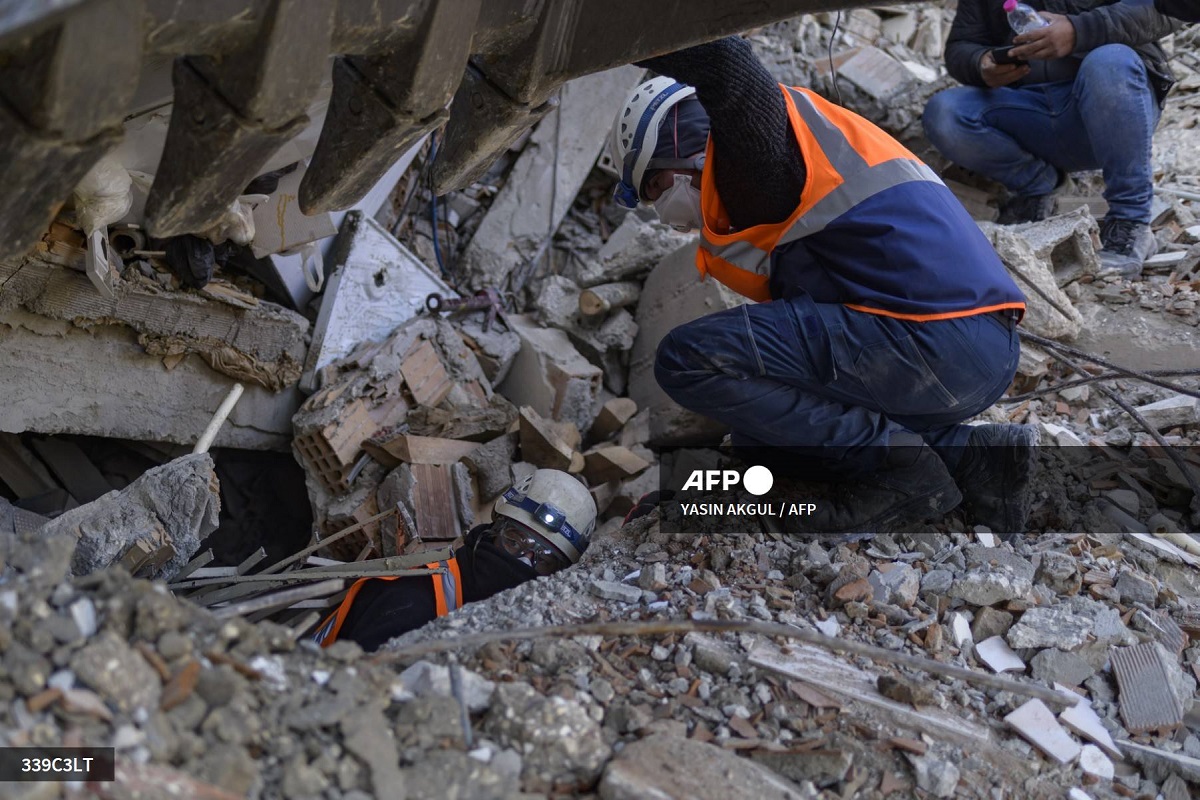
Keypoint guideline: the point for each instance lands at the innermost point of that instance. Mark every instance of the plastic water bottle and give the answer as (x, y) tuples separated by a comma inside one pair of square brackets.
[(1022, 18)]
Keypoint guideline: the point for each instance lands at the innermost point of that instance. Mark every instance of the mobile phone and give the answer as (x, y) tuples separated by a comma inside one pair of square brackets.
[(1001, 56)]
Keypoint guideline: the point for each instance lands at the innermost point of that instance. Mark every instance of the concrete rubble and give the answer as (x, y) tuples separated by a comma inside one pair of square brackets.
[(119, 627)]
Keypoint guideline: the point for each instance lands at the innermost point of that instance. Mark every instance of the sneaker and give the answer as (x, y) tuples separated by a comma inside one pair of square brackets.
[(994, 475), (912, 486), (1126, 246), (1025, 208)]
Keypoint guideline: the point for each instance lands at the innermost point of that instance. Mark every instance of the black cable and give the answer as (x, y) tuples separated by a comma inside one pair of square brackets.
[(832, 70)]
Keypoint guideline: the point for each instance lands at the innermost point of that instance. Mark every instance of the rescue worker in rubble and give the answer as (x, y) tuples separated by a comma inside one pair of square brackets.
[(540, 526), (883, 316)]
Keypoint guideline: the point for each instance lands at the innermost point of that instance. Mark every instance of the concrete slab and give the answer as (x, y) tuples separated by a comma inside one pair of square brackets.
[(59, 378), (552, 168), (377, 285), (262, 344)]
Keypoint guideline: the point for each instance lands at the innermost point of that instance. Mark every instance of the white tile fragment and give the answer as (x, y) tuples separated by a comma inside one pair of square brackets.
[(1036, 723), (996, 653), (1094, 763)]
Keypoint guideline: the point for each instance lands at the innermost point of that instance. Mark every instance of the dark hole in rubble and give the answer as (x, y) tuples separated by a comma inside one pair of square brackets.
[(264, 502), (381, 278), (123, 243)]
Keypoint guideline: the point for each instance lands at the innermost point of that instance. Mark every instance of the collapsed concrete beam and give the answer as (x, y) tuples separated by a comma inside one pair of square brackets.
[(173, 507), (553, 167), (264, 344), (56, 377)]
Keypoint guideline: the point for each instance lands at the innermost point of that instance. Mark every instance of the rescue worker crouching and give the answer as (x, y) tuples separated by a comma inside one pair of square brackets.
[(882, 317), (542, 525)]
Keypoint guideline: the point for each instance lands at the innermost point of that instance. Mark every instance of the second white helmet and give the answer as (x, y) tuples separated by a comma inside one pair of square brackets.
[(635, 134)]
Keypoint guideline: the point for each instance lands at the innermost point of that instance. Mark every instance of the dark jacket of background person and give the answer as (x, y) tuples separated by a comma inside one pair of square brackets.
[(981, 25), (1186, 10)]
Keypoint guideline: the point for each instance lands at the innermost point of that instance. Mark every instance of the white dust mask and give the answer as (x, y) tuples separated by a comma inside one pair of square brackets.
[(679, 206)]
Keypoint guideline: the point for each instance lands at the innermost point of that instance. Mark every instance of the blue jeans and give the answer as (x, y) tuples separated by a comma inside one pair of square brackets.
[(1104, 120), (833, 385)]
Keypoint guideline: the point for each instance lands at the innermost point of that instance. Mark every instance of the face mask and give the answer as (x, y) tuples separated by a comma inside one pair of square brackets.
[(679, 206)]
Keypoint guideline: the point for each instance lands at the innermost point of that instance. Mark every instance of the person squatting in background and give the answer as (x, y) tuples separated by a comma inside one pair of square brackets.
[(882, 316)]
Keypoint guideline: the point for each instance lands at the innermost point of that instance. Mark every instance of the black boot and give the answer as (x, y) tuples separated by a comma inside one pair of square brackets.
[(994, 474), (913, 485)]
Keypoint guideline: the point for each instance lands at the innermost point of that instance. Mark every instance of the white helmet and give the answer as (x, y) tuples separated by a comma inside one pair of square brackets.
[(635, 135), (556, 506)]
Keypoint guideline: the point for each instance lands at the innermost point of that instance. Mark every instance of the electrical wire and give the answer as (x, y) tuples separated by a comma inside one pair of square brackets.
[(833, 76)]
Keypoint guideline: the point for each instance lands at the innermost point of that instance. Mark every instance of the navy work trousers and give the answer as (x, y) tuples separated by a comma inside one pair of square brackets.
[(831, 385)]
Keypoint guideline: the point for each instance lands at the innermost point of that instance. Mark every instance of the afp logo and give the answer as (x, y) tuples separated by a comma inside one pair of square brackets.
[(757, 480)]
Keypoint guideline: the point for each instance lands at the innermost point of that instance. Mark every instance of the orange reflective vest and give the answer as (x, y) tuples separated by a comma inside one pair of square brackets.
[(447, 593), (875, 229)]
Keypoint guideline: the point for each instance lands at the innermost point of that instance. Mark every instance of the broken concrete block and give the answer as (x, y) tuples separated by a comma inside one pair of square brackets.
[(611, 463), (1078, 624), (633, 490), (1173, 412), (550, 375), (494, 348), (672, 295), (935, 776), (558, 302), (1058, 666), (1066, 242), (650, 768), (612, 417), (491, 465), (176, 505), (873, 71), (562, 149), (544, 444), (1149, 700), (1036, 723), (896, 586), (634, 248), (611, 590), (985, 587), (960, 630), (1049, 311), (376, 285)]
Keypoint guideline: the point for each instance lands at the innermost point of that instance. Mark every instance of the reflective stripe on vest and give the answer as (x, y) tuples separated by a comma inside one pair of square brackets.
[(447, 595), (839, 178)]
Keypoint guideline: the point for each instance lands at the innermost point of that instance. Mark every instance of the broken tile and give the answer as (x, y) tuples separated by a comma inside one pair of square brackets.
[(1036, 723), (960, 630), (996, 653), (1095, 764)]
